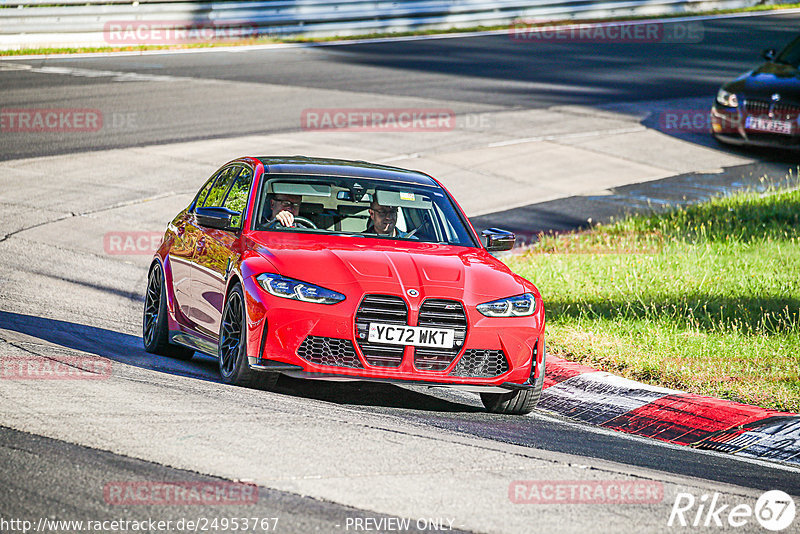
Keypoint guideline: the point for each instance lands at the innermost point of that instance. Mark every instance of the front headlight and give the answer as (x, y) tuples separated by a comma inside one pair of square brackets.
[(288, 288), (520, 306), (727, 99)]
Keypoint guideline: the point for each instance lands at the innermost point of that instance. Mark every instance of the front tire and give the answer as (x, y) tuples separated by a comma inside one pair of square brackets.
[(233, 366), (155, 332), (519, 402)]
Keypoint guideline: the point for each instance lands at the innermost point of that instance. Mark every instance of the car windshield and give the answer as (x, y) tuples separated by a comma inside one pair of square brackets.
[(367, 208), (791, 54)]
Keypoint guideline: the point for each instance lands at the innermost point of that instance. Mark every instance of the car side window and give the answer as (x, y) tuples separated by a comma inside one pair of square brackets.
[(216, 195), (203, 193), (237, 196)]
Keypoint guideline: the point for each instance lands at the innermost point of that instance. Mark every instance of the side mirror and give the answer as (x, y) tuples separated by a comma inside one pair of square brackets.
[(769, 54), (497, 240), (216, 217)]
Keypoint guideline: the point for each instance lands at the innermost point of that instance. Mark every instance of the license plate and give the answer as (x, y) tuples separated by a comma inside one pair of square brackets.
[(768, 125), (419, 336)]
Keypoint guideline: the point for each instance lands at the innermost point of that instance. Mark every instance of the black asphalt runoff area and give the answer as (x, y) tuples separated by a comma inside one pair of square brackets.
[(232, 93), (44, 478)]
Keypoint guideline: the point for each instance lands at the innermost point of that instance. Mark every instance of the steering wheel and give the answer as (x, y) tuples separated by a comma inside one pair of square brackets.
[(303, 222)]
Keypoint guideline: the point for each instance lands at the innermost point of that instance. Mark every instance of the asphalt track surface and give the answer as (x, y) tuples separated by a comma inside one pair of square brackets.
[(235, 93), (66, 482), (92, 305)]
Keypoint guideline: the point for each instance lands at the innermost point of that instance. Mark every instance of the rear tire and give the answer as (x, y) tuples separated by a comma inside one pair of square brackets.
[(155, 332), (519, 402), (232, 353)]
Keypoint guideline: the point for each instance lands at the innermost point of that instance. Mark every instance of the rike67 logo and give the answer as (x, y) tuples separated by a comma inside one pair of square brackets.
[(774, 510)]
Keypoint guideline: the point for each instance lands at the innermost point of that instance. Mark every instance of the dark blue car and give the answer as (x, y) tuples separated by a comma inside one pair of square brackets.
[(762, 106)]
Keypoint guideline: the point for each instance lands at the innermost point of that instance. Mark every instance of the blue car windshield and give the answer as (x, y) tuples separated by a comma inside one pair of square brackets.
[(791, 54), (355, 206)]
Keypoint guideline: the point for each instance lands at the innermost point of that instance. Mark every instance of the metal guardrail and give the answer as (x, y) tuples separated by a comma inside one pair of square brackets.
[(36, 23)]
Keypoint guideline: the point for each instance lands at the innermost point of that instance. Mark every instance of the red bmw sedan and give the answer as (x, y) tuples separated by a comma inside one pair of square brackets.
[(331, 269)]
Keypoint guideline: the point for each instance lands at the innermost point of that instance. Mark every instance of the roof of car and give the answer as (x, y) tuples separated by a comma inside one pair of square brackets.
[(340, 167)]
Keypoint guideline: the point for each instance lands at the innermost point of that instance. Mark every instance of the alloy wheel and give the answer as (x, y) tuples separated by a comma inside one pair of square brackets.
[(152, 305), (231, 338)]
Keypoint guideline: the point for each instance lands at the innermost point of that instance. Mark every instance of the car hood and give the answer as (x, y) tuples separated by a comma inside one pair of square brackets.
[(368, 265), (767, 80)]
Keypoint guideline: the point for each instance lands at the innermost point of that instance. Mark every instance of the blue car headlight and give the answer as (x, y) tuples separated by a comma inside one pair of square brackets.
[(519, 306), (727, 99), (288, 288)]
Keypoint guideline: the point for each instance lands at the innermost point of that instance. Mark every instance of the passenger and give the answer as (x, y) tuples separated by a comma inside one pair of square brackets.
[(384, 220)]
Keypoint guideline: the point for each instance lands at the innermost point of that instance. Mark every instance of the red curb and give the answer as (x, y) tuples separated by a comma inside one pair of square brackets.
[(676, 417), (557, 370), (687, 418)]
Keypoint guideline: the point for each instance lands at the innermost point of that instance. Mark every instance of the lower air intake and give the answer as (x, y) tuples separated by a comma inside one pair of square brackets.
[(481, 364), (329, 351)]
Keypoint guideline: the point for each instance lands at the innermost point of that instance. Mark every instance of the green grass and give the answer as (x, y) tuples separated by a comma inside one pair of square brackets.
[(704, 299), (300, 39)]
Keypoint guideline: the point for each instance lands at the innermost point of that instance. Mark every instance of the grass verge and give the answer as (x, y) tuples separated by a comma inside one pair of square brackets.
[(300, 39), (705, 299)]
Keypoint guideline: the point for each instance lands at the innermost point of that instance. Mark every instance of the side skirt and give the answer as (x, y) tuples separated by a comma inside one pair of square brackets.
[(195, 342)]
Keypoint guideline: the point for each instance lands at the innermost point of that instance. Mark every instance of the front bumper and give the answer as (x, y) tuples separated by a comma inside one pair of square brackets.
[(277, 328), (728, 126)]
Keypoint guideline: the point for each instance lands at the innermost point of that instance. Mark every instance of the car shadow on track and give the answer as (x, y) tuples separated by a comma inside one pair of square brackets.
[(371, 394), (127, 349), (116, 346)]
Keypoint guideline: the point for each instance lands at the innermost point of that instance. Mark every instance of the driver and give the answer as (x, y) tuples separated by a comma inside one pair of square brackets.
[(285, 208), (384, 220)]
